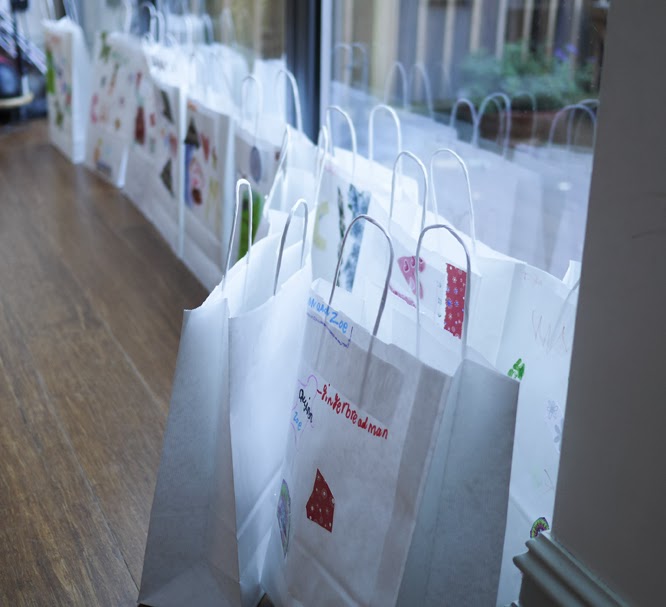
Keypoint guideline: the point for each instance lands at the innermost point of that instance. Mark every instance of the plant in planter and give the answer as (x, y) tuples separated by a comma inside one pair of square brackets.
[(551, 82)]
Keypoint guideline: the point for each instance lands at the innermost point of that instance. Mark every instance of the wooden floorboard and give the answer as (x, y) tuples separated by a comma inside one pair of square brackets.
[(91, 302)]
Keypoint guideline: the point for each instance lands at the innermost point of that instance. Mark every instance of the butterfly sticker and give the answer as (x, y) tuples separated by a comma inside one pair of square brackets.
[(407, 267)]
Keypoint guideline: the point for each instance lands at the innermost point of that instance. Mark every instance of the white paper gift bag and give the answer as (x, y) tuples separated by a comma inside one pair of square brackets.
[(115, 119), (207, 178), (223, 447), (67, 86), (362, 417), (535, 349), (139, 182), (456, 550), (164, 202), (152, 177)]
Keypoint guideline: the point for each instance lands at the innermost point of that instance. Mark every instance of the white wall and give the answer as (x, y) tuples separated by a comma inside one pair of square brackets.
[(609, 508)]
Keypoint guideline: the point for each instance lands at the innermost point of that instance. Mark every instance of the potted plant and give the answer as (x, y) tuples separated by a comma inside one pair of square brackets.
[(548, 82)]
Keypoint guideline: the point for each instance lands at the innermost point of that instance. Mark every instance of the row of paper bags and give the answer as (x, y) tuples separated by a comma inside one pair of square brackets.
[(317, 448), (161, 122)]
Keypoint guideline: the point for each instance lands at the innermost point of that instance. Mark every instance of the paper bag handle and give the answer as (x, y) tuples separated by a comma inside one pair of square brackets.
[(468, 290), (420, 68), (571, 134), (352, 132), (533, 104), (209, 33), (320, 161), (398, 68), (470, 201), (299, 203), (589, 102), (456, 106), (342, 46), (260, 99), (382, 303), (237, 211), (364, 58), (155, 21), (371, 128), (279, 170), (482, 110), (294, 93), (424, 174), (71, 11), (127, 21), (50, 10), (444, 79), (226, 19), (566, 110)]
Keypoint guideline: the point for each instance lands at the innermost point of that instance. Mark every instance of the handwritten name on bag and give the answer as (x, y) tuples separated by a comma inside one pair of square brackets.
[(344, 408)]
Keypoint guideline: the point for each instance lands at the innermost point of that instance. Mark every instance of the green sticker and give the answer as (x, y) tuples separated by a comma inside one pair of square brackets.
[(518, 370)]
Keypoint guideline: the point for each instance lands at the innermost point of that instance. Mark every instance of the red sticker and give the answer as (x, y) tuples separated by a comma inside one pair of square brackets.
[(321, 505), (456, 286)]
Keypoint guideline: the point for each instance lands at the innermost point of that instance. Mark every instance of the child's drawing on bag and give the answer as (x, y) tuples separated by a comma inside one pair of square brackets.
[(555, 420), (518, 370), (58, 83), (539, 526), (203, 192)]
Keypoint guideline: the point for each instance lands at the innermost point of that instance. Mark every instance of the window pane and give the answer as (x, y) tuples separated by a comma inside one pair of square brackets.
[(540, 55), (511, 86)]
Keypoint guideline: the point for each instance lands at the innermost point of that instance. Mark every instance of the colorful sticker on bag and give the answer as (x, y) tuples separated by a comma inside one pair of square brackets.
[(456, 288), (357, 204), (284, 516), (257, 209), (518, 370), (407, 265), (321, 505), (539, 526), (555, 420)]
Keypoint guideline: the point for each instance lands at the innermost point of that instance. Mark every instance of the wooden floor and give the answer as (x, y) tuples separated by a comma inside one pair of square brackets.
[(91, 302)]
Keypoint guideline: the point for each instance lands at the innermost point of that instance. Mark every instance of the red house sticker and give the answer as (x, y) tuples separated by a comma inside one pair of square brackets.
[(321, 505)]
